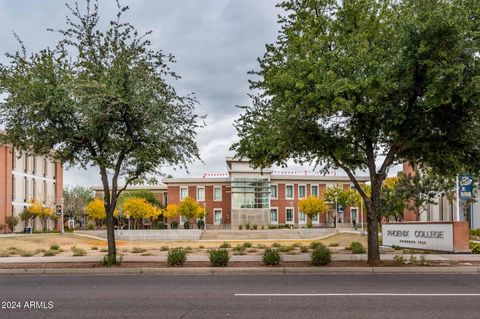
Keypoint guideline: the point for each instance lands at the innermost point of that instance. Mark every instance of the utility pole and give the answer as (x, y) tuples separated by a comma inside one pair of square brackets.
[(457, 191)]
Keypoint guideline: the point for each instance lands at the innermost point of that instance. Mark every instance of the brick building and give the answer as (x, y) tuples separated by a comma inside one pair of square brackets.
[(247, 195), (24, 178)]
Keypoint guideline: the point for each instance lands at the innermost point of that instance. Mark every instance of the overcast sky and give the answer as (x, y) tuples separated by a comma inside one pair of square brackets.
[(216, 42)]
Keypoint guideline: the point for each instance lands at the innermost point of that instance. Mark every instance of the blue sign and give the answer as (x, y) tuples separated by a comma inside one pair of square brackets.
[(465, 183)]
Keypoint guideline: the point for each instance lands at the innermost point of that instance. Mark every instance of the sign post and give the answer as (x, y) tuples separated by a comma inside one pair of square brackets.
[(464, 190), (59, 212)]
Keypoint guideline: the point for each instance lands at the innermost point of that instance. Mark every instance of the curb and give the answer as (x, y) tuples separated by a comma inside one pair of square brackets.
[(243, 271)]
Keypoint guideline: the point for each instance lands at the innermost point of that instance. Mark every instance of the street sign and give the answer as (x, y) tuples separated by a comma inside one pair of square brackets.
[(465, 185), (58, 210)]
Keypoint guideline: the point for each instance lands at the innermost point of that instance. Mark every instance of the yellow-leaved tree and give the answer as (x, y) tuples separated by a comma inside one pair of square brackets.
[(313, 206), (138, 208), (190, 208), (37, 210), (96, 211)]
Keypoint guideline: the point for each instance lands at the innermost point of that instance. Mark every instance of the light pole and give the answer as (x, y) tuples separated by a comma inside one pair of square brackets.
[(204, 215), (63, 222), (336, 212)]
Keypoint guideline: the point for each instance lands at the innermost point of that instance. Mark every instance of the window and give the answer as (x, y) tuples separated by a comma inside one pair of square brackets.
[(183, 192), (353, 214), (301, 191), (250, 192), (301, 217), (217, 193), (200, 194), (315, 219), (289, 215), (315, 190), (273, 216), (273, 191), (217, 212), (289, 191)]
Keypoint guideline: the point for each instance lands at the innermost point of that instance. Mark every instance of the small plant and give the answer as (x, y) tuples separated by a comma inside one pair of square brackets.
[(108, 261), (239, 250), (138, 250), (12, 222), (174, 224), (271, 257), (413, 259), (357, 248), (94, 248), (188, 249), (27, 253), (321, 256), (200, 224), (176, 257), (263, 227), (164, 248), (261, 246), (4, 254), (474, 247), (276, 245), (254, 227), (315, 244), (161, 225), (219, 257), (297, 245), (398, 260), (201, 247), (186, 225), (91, 226), (247, 226), (252, 250), (103, 250), (333, 245), (304, 249), (50, 253), (54, 247), (240, 227), (247, 244), (286, 249), (424, 261), (395, 247), (77, 251), (225, 245)]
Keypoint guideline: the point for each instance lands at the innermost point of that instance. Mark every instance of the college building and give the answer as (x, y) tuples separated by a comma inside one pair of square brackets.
[(244, 195), (24, 178)]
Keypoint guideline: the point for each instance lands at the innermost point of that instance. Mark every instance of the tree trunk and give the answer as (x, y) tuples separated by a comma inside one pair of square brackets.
[(112, 250), (373, 213)]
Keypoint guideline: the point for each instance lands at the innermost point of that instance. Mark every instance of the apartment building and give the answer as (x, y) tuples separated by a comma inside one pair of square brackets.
[(247, 195), (24, 178)]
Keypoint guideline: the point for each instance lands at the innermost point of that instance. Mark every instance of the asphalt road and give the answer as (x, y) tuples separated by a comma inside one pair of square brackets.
[(278, 296)]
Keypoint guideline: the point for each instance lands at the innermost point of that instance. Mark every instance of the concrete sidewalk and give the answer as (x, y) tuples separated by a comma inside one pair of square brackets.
[(249, 258)]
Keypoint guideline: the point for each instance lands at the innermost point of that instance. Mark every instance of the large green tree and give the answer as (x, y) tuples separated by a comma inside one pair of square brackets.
[(365, 84), (100, 98), (76, 199)]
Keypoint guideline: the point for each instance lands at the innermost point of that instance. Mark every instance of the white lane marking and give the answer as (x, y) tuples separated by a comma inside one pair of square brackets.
[(360, 294)]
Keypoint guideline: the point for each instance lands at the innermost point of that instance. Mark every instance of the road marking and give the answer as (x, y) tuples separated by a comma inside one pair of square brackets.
[(360, 294)]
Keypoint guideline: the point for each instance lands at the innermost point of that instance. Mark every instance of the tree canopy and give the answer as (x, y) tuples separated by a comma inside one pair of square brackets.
[(100, 97), (312, 206), (365, 84)]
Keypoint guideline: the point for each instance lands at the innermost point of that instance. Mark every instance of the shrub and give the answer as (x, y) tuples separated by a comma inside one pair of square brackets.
[(103, 250), (188, 249), (200, 224), (138, 250), (240, 227), (219, 257), (12, 222), (91, 226), (27, 253), (271, 257), (176, 256), (247, 226), (424, 261), (357, 248), (201, 246), (398, 260), (263, 227), (160, 225), (4, 254), (174, 224), (286, 249), (225, 245), (239, 250), (333, 245), (247, 244), (50, 253), (474, 247), (261, 246), (297, 244), (304, 249), (108, 261), (309, 225), (94, 248), (77, 251), (315, 244), (254, 227), (164, 248), (276, 245), (54, 247), (186, 225), (321, 256)]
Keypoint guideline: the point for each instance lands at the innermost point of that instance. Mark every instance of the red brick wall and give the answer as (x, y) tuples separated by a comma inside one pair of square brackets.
[(5, 184)]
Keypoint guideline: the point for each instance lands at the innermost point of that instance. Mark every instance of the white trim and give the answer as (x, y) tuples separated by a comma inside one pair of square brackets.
[(304, 193), (180, 192), (293, 215), (276, 197), (221, 216), (217, 200), (300, 222), (293, 191), (198, 188), (33, 176), (270, 216)]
